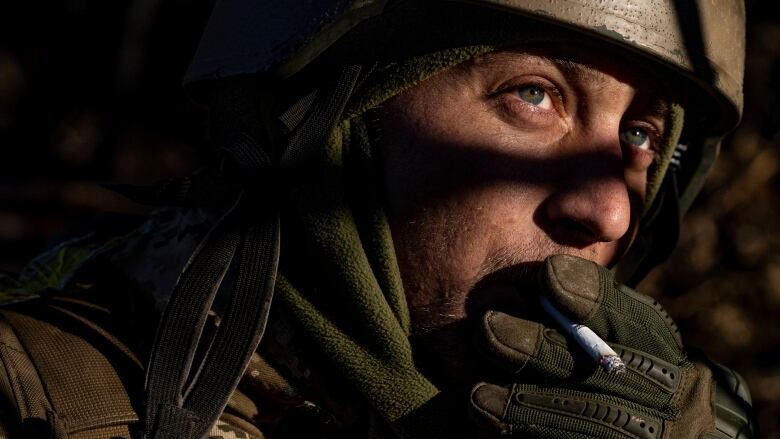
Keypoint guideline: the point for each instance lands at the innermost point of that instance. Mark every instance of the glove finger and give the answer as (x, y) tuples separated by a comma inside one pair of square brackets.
[(510, 341), (542, 412), (489, 403), (532, 411), (544, 354), (494, 409), (588, 294), (732, 403)]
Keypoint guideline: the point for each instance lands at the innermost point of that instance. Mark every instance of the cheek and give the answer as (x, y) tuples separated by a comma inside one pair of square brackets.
[(636, 182), (457, 168), (446, 246), (437, 154), (453, 160)]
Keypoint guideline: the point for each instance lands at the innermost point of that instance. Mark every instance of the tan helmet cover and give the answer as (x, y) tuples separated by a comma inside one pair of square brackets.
[(704, 39)]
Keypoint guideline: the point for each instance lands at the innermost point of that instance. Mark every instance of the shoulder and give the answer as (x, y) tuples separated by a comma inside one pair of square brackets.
[(76, 323), (64, 371)]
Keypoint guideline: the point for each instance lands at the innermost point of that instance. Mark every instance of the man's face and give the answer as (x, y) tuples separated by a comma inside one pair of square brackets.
[(494, 165)]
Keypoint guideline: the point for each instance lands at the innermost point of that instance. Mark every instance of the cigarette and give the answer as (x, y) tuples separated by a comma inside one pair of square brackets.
[(597, 348)]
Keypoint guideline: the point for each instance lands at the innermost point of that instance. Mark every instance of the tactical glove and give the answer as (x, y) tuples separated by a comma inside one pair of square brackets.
[(663, 392)]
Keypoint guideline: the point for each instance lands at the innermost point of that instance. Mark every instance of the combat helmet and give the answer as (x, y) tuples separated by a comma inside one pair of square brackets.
[(701, 42)]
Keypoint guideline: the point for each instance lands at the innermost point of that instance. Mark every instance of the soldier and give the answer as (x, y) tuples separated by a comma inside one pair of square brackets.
[(407, 181)]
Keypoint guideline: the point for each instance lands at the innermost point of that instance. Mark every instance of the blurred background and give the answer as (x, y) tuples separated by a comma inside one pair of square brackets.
[(90, 92)]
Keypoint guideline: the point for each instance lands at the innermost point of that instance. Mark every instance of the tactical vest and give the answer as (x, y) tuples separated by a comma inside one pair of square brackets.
[(64, 376)]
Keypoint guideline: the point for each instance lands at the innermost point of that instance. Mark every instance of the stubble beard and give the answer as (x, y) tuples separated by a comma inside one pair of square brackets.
[(511, 268)]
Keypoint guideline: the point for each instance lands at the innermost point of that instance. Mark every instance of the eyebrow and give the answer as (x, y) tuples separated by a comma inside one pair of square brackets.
[(574, 69), (658, 106)]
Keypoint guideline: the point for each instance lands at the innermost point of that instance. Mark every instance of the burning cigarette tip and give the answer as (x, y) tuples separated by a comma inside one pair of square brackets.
[(612, 364)]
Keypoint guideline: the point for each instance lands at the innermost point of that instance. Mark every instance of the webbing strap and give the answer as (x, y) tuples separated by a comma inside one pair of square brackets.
[(295, 114), (322, 119), (181, 328), (242, 326), (24, 385), (199, 189), (251, 229)]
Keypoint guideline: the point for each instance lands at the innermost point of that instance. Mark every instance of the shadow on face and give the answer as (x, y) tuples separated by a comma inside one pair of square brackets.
[(496, 164)]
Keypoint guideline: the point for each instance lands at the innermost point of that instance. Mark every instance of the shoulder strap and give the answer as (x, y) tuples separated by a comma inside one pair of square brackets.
[(67, 377), (22, 385), (183, 400)]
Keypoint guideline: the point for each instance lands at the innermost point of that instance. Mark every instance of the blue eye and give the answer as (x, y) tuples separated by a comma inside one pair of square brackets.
[(636, 137), (535, 96)]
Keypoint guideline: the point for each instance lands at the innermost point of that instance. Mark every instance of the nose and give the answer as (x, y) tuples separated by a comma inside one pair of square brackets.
[(595, 209), (591, 201)]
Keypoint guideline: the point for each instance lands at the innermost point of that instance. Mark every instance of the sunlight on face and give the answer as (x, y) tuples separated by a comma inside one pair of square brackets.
[(511, 157)]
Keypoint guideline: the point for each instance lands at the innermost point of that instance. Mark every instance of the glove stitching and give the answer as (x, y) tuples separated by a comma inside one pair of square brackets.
[(574, 415)]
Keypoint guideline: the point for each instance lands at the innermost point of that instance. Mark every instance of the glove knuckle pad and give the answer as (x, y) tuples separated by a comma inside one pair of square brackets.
[(611, 416), (662, 373)]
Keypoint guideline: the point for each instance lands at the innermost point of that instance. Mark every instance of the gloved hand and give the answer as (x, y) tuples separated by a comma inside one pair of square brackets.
[(663, 393)]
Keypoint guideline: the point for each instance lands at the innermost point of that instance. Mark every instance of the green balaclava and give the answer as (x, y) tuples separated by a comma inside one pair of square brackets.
[(341, 281)]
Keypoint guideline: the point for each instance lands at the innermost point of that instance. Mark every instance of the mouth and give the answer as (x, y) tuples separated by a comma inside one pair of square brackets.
[(513, 290), (445, 347)]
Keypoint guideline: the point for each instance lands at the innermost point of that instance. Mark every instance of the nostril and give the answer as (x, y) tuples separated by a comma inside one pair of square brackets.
[(578, 229), (570, 233), (599, 211)]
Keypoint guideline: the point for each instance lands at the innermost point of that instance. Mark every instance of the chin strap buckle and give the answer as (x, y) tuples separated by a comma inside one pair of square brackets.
[(676, 161)]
